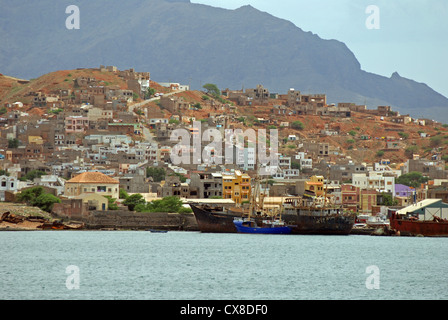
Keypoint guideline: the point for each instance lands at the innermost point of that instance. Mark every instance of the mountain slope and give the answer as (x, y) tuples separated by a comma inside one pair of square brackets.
[(190, 43)]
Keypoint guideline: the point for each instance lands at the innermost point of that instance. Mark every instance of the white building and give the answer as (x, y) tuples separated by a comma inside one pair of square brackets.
[(52, 181), (175, 86), (7, 183), (245, 158), (374, 180), (305, 163)]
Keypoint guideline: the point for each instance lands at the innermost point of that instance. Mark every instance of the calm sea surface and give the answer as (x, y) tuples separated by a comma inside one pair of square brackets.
[(191, 265)]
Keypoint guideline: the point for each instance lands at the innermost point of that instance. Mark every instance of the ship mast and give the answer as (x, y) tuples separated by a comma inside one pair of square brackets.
[(326, 186)]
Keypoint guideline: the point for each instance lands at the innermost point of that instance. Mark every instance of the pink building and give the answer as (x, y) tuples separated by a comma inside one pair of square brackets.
[(76, 124), (357, 199)]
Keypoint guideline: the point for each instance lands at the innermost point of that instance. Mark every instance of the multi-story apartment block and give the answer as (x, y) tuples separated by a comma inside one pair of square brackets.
[(42, 99), (315, 186), (236, 186), (76, 124), (378, 181), (209, 184), (434, 169), (320, 149)]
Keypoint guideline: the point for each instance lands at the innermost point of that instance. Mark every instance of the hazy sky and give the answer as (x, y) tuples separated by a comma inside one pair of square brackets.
[(412, 38)]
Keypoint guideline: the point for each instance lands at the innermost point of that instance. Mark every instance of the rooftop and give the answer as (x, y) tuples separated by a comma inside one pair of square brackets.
[(93, 177)]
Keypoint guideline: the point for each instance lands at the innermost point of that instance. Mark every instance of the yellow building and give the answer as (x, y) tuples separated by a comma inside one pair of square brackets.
[(236, 186), (35, 139), (315, 186)]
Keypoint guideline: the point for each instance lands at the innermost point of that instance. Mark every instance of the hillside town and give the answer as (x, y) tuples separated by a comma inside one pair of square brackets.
[(93, 138)]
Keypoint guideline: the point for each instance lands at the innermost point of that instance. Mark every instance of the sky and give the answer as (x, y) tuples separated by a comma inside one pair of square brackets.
[(405, 36)]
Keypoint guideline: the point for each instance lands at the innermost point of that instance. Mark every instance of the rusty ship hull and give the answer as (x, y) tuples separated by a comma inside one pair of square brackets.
[(306, 221), (215, 220), (308, 218), (319, 225), (428, 228)]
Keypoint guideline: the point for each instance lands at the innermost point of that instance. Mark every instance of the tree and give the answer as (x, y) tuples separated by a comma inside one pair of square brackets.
[(212, 89), (32, 175), (13, 143), (37, 197), (435, 141), (132, 201), (168, 204), (149, 93), (46, 201), (388, 200), (29, 195), (295, 165), (112, 204), (412, 179), (123, 194), (403, 135), (298, 125), (157, 174), (182, 178)]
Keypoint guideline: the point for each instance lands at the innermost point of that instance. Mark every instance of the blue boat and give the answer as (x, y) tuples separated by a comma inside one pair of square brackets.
[(268, 227)]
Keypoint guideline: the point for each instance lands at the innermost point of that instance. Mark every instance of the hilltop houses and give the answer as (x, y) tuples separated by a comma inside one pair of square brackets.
[(87, 142)]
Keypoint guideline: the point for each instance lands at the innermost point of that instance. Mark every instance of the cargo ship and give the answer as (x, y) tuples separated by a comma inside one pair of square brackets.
[(299, 214), (427, 218), (215, 219), (306, 216)]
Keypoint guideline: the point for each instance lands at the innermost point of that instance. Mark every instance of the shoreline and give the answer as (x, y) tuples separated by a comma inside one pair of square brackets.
[(37, 226)]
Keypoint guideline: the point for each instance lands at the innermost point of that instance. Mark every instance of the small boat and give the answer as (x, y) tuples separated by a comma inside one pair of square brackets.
[(268, 227), (158, 231), (377, 222)]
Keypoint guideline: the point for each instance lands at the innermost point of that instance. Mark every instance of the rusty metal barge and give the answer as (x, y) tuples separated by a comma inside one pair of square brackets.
[(427, 218)]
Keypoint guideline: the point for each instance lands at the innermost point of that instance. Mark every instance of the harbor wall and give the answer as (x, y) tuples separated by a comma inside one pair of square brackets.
[(124, 219)]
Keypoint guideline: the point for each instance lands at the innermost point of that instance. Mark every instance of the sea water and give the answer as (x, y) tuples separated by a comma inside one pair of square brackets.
[(131, 265)]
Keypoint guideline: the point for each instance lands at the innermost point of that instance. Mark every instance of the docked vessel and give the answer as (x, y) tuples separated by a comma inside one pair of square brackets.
[(301, 216), (215, 219), (268, 227), (426, 218), (310, 217)]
